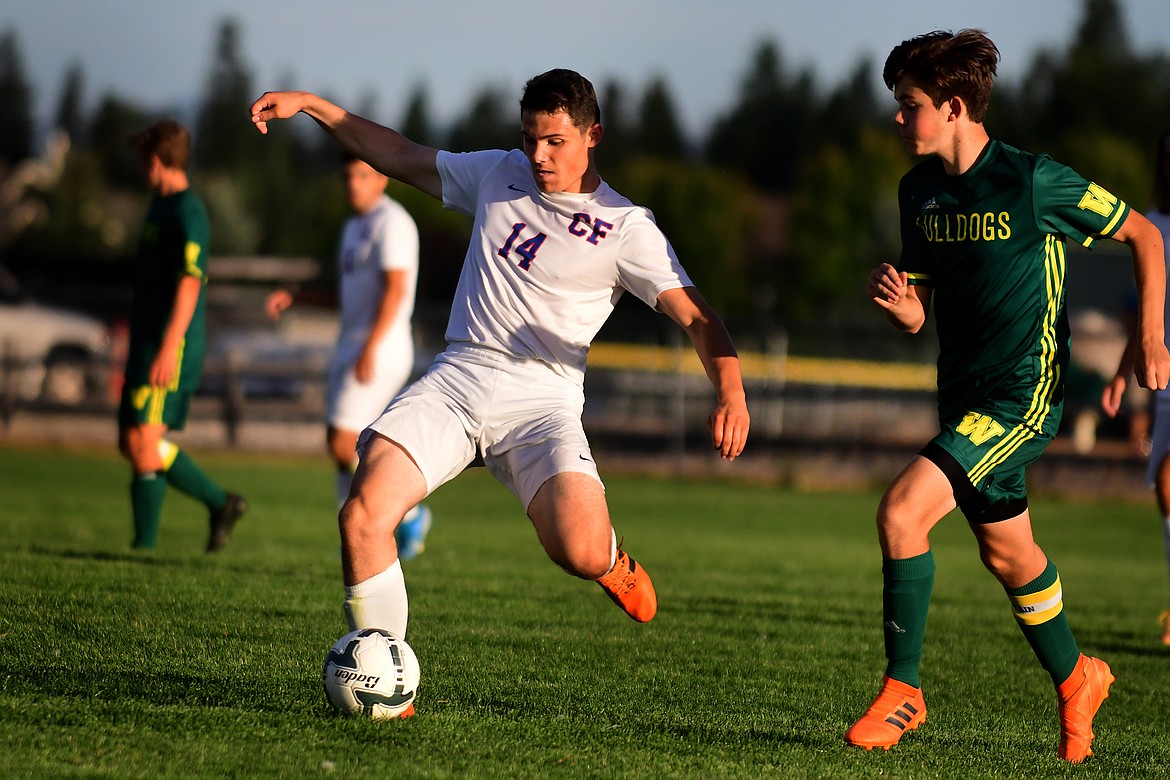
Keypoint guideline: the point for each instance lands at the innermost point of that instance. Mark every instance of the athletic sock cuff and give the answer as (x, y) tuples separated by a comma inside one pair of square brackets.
[(1049, 577), (914, 568), (378, 583)]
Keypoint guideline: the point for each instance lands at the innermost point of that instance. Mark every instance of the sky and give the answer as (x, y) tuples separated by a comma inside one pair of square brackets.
[(157, 53)]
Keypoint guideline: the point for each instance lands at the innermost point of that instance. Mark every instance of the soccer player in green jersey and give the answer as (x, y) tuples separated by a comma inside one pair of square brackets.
[(983, 237), (167, 339)]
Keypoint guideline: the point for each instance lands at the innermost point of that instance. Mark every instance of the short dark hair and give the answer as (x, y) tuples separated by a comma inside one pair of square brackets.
[(562, 90), (945, 65), (166, 139)]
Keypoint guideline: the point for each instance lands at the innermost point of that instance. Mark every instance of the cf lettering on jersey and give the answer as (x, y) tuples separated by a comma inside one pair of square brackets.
[(584, 225)]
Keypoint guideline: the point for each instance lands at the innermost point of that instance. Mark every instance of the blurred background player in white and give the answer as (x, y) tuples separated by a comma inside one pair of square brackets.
[(378, 270), (1159, 462), (552, 249)]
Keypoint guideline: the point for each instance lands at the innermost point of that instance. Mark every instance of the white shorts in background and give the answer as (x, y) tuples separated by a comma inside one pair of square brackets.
[(523, 418), (351, 405), (1159, 437)]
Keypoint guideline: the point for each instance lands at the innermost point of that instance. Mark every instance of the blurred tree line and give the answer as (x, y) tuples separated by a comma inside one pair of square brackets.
[(778, 211)]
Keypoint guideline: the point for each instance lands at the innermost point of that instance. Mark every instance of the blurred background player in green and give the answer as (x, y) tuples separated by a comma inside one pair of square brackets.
[(983, 229), (377, 264), (1111, 400), (167, 340)]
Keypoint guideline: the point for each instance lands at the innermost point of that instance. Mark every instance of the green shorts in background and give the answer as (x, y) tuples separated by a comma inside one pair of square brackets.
[(147, 405)]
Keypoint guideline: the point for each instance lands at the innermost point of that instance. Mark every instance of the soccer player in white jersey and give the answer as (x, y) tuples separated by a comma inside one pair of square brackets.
[(552, 249), (377, 264)]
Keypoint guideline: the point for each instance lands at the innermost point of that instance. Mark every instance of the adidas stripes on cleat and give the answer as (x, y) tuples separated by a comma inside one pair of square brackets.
[(897, 709), (1080, 698), (629, 586)]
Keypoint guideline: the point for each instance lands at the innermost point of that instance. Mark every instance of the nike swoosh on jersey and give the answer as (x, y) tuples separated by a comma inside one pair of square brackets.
[(517, 189)]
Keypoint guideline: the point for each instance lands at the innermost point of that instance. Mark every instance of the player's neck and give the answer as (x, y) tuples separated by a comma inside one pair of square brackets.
[(965, 150), (171, 182), (589, 182)]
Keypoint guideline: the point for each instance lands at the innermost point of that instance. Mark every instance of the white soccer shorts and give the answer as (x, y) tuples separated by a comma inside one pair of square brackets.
[(521, 416), (351, 405), (1159, 438)]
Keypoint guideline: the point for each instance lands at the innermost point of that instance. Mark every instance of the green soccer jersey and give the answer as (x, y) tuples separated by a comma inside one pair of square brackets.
[(174, 243), (990, 245)]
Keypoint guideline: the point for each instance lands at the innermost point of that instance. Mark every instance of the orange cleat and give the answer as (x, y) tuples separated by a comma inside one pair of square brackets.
[(1080, 698), (897, 709), (630, 588), (1164, 619)]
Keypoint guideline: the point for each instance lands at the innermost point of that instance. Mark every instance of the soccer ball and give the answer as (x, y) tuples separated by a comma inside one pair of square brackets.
[(371, 672)]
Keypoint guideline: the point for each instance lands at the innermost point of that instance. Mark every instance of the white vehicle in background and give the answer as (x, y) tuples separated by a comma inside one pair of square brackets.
[(47, 353)]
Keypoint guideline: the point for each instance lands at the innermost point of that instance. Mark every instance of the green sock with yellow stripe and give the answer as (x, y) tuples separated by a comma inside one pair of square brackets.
[(184, 474), (1039, 609)]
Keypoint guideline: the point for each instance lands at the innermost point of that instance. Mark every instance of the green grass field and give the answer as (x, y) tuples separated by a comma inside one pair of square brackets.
[(766, 646)]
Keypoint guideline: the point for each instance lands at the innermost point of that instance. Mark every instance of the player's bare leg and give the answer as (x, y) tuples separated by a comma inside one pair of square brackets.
[(139, 444), (1009, 551), (919, 497), (411, 533), (387, 484), (571, 519), (1033, 587)]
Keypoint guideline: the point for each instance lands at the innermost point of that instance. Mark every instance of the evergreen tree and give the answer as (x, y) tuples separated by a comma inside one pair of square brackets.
[(768, 132), (852, 108), (16, 122), (416, 125), (491, 123), (70, 117), (223, 140), (115, 122), (1096, 106), (619, 142), (659, 132)]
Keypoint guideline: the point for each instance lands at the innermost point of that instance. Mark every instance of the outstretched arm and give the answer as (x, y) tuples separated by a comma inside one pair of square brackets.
[(729, 421), (1150, 360), (384, 149)]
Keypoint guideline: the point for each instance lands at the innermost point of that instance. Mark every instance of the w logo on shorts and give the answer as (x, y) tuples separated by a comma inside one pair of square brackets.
[(979, 428)]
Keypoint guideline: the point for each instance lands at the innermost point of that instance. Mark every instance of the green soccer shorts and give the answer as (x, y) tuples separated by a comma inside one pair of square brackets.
[(984, 454), (147, 405)]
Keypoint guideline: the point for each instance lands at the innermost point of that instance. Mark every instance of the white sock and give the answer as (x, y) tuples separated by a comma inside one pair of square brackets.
[(379, 602), (612, 549)]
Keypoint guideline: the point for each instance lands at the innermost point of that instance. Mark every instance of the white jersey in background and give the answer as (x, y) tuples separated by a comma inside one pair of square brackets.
[(544, 271), (385, 238)]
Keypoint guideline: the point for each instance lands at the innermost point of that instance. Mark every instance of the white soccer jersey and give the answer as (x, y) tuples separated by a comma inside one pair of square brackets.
[(383, 239), (544, 271)]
